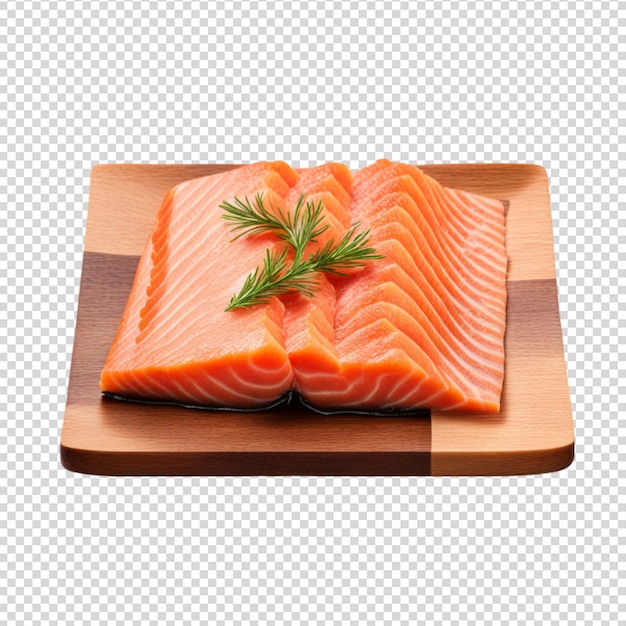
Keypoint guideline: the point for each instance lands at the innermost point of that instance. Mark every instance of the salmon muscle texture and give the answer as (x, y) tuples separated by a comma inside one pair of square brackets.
[(423, 327), (176, 342)]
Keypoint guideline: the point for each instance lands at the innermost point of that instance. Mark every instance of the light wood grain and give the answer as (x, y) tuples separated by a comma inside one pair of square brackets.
[(533, 433)]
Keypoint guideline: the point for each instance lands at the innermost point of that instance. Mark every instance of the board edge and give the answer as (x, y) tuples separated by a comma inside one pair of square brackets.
[(249, 463)]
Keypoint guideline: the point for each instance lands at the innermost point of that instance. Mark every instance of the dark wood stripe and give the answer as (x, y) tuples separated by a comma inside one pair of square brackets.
[(253, 463), (105, 284)]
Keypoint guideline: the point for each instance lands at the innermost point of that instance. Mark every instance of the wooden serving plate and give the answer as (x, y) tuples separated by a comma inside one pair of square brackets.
[(533, 433)]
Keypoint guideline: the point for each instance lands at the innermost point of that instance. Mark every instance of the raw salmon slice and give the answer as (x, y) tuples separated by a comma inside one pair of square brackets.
[(330, 184), (425, 326), (175, 341)]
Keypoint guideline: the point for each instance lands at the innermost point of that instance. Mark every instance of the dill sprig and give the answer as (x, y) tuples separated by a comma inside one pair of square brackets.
[(277, 276), (298, 230), (350, 253)]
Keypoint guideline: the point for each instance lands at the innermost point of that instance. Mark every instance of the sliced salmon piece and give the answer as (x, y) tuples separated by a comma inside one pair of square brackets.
[(389, 372), (425, 326), (398, 217), (175, 341), (444, 240), (330, 184), (390, 286), (309, 322), (309, 334)]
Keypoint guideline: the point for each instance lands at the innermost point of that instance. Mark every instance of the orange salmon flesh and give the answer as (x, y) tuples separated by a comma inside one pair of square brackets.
[(421, 328)]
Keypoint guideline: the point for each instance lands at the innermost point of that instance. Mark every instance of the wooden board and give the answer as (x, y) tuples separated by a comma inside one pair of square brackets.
[(533, 433)]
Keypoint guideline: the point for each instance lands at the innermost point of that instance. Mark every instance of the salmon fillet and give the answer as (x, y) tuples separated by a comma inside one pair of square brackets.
[(424, 327), (175, 341), (421, 328)]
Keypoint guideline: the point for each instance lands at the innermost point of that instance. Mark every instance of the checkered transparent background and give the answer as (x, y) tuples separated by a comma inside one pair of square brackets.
[(102, 82)]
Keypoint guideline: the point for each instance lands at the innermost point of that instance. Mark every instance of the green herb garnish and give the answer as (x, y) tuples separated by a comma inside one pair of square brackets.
[(297, 230), (277, 276)]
